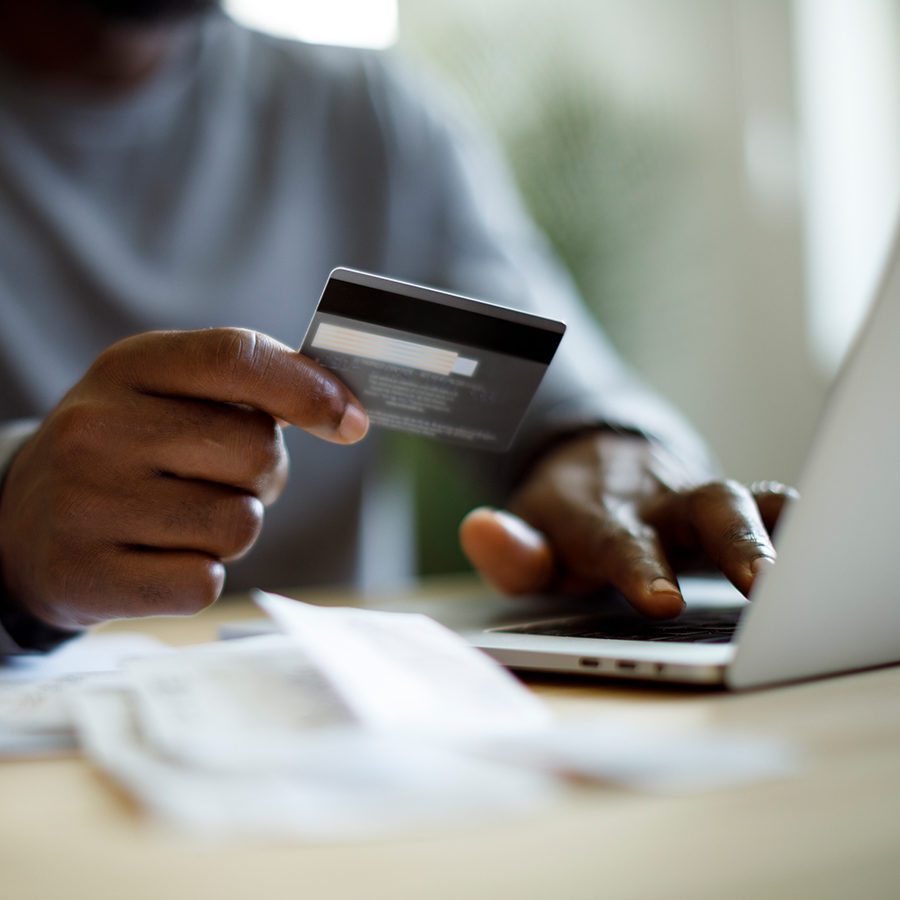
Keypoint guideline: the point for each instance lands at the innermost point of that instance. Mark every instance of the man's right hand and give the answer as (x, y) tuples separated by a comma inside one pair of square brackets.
[(154, 471)]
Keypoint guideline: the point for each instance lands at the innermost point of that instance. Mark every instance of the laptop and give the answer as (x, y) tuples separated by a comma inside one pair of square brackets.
[(831, 603)]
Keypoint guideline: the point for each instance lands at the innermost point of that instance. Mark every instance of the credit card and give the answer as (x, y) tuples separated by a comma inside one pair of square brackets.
[(431, 363)]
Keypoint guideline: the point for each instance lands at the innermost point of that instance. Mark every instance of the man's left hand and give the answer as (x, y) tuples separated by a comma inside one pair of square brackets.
[(608, 510)]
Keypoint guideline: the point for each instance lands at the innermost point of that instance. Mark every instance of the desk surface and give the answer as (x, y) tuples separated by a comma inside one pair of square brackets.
[(832, 831)]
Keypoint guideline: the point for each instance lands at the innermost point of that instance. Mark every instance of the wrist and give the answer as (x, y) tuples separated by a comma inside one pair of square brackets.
[(26, 631), (606, 466), (29, 634), (617, 461)]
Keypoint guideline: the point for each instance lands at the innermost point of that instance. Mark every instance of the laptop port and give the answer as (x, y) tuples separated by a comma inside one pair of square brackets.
[(589, 663), (628, 664)]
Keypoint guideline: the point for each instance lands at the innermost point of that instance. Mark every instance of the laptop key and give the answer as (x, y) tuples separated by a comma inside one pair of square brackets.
[(695, 627)]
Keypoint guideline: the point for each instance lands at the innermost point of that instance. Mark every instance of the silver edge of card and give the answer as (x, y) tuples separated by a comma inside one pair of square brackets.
[(446, 298)]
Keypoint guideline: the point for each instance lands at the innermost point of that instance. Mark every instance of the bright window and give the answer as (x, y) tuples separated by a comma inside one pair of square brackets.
[(848, 67), (352, 23)]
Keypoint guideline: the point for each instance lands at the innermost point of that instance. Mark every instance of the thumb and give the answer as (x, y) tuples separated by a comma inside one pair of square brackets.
[(509, 554)]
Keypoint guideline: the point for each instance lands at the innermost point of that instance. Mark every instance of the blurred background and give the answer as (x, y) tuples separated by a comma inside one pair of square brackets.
[(721, 177)]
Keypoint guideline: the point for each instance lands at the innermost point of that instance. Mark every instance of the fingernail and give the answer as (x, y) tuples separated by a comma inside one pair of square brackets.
[(354, 424), (519, 529), (761, 563), (668, 601), (664, 586)]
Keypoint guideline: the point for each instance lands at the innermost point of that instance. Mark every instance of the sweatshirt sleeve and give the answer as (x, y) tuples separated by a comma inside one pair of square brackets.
[(456, 207)]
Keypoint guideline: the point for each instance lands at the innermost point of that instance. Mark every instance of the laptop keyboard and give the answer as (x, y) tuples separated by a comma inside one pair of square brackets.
[(709, 626)]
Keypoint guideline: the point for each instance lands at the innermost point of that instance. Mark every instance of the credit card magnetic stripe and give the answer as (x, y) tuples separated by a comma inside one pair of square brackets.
[(531, 337)]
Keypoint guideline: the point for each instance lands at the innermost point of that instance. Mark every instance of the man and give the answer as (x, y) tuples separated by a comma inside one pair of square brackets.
[(163, 168)]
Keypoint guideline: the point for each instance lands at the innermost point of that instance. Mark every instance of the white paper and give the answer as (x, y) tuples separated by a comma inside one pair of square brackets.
[(405, 672), (662, 759), (358, 724), (91, 653), (352, 785), (34, 690), (236, 705)]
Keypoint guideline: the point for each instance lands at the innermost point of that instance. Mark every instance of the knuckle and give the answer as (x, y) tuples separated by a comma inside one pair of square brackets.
[(203, 587), (119, 361), (75, 428), (740, 535), (197, 588), (620, 522), (716, 493), (632, 556), (732, 488), (764, 490), (187, 516), (237, 351), (122, 361), (63, 506), (627, 547), (107, 364), (617, 541), (69, 566), (264, 447), (325, 399), (643, 534), (242, 526), (767, 487), (158, 595)]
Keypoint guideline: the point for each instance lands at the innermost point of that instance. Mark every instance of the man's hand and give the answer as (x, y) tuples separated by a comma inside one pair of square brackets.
[(154, 470), (614, 511)]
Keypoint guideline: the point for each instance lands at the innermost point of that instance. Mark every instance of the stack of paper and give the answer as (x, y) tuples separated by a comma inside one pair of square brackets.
[(35, 717), (298, 770), (351, 724)]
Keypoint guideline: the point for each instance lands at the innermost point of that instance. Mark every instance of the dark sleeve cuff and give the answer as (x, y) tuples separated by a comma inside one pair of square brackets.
[(637, 415), (21, 633)]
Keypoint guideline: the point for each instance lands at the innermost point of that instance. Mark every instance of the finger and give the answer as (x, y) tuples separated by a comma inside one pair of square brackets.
[(234, 365), (229, 445), (174, 514), (730, 529), (169, 582), (630, 557), (772, 498), (510, 554), (136, 582)]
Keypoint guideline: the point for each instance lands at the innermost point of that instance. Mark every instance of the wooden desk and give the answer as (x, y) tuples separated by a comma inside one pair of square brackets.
[(834, 831)]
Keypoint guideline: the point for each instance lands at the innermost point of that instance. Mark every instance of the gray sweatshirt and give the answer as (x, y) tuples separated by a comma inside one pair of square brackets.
[(222, 192)]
